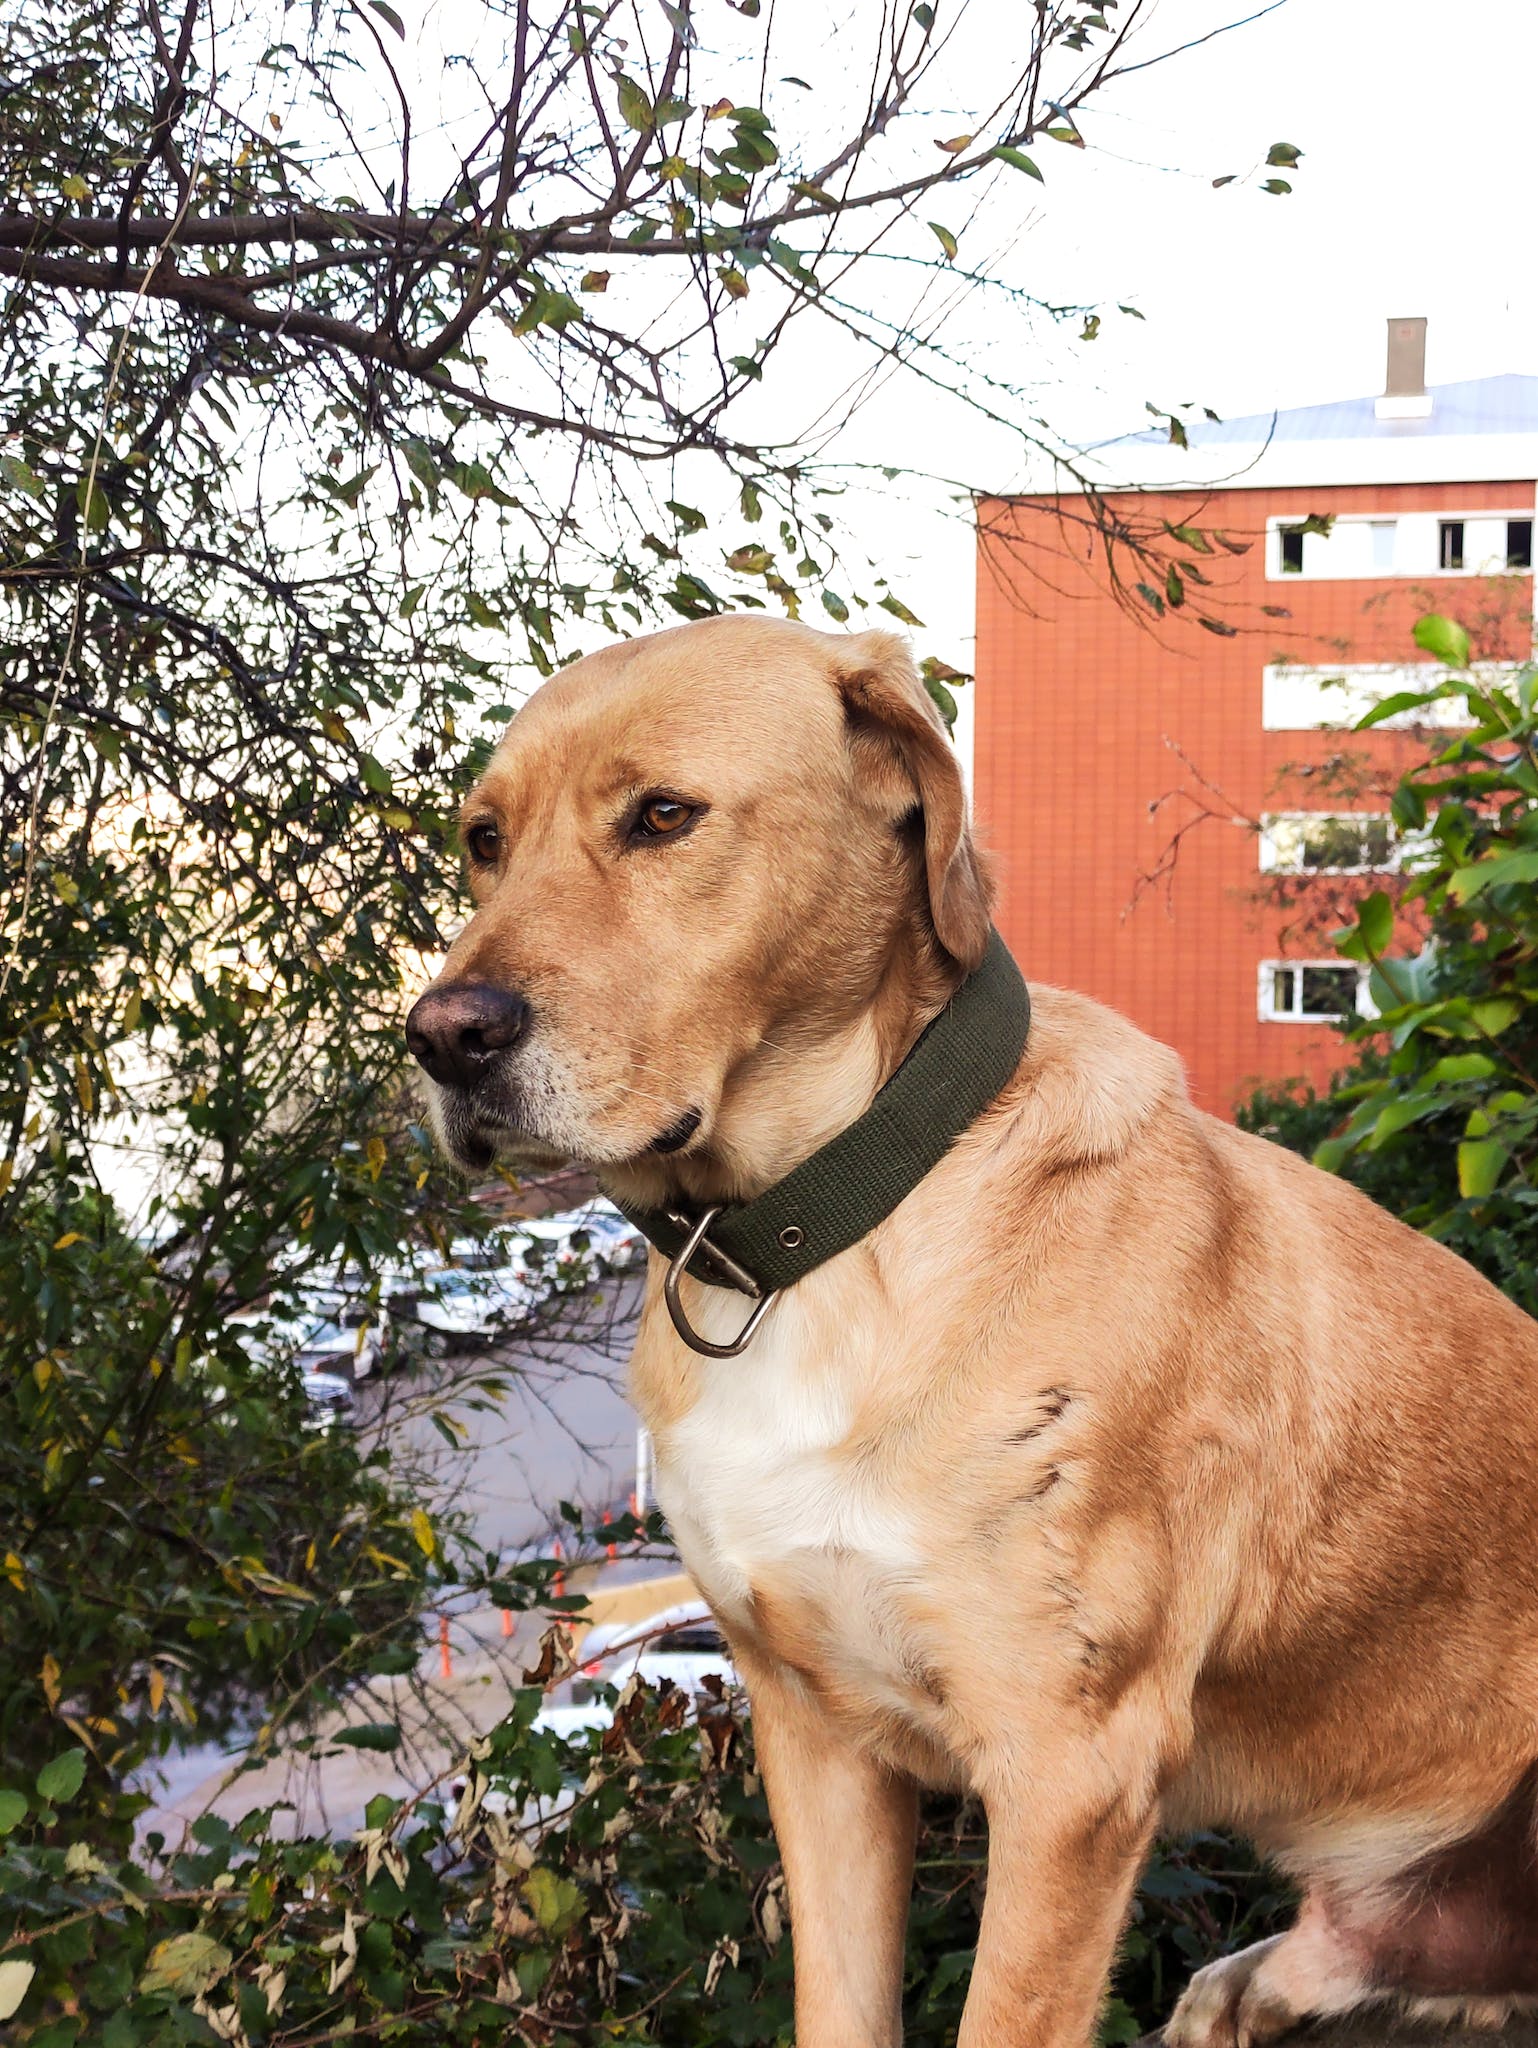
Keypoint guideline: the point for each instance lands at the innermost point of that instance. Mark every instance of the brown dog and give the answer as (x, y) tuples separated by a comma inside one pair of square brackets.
[(1131, 1473)]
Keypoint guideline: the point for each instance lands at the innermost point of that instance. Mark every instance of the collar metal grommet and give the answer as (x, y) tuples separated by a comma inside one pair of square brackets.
[(792, 1237)]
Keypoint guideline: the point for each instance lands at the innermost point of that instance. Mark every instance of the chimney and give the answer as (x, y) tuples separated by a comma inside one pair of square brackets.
[(1405, 396)]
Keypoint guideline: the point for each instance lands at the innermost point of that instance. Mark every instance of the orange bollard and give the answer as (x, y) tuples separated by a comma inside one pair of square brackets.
[(507, 1621), (560, 1577), (446, 1662)]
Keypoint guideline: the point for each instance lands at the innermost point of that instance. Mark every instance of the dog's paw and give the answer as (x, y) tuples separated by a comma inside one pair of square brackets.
[(1224, 2006)]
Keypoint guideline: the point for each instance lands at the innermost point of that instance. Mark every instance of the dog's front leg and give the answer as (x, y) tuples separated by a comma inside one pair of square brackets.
[(845, 1827), (1067, 1834)]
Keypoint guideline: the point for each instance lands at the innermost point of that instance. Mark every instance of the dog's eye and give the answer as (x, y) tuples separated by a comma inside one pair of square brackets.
[(482, 841), (660, 817)]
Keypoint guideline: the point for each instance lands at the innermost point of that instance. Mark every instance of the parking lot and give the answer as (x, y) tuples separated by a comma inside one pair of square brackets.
[(560, 1429)]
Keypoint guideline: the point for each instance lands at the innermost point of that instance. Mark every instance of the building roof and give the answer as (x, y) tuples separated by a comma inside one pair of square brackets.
[(1479, 430)]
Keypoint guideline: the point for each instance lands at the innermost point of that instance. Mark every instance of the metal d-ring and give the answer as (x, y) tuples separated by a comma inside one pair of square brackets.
[(741, 1277)]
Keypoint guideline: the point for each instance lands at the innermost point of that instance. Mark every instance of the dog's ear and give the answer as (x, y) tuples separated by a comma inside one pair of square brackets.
[(904, 753)]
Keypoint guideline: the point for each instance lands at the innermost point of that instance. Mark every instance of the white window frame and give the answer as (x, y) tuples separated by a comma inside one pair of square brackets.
[(1298, 697), (1272, 862), (1265, 988), (1476, 563)]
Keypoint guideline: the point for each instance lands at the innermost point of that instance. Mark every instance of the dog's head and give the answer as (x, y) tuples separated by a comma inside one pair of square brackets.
[(690, 854)]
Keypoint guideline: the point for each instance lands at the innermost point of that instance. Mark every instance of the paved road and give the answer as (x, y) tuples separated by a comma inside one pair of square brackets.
[(561, 1430)]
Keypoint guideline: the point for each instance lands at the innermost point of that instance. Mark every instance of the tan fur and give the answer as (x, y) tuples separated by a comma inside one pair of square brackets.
[(1132, 1473)]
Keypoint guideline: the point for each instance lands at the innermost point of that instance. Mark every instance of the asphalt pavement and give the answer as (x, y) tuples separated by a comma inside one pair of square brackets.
[(559, 1428), (539, 1420)]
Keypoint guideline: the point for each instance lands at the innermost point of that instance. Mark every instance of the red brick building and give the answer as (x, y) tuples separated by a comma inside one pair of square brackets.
[(1170, 833)]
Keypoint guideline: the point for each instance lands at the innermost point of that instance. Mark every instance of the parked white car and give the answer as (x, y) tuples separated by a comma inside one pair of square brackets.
[(615, 1239), (272, 1344), (459, 1305), (331, 1400), (575, 1247), (316, 1341), (679, 1643), (336, 1347)]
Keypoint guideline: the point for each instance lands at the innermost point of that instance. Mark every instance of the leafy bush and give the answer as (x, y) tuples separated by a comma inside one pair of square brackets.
[(623, 1888), (1437, 1116)]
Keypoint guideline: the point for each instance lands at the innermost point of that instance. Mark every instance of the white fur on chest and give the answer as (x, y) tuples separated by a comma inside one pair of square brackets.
[(759, 1472)]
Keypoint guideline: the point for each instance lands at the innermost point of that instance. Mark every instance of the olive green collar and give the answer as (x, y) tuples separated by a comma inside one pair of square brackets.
[(829, 1202)]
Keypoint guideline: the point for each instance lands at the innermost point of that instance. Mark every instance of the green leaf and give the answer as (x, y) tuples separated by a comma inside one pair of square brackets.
[(375, 775), (1391, 706), (92, 500), (1393, 983), (1496, 1016), (1375, 921), (899, 610), (1398, 1115), (556, 1903), (944, 701), (1408, 807), (187, 1965), (1462, 1066), (17, 474), (59, 1781), (382, 7), (1464, 884), (946, 240), (419, 460), (13, 1807), (750, 560), (634, 106), (1191, 537), (1481, 1162), (835, 606), (396, 1662), (1019, 161), (1282, 155), (15, 1980), (1444, 638), (380, 1735)]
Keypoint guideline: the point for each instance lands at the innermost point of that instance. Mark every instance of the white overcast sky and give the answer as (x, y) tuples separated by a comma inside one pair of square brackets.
[(1416, 194)]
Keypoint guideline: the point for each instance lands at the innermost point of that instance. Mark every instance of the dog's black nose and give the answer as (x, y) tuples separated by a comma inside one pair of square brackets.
[(457, 1031)]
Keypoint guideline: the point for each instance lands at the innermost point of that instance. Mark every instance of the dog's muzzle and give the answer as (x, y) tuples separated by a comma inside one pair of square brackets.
[(458, 1031)]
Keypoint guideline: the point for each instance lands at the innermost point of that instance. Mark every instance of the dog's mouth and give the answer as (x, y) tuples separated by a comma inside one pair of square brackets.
[(677, 1134), (477, 1132), (481, 1126)]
